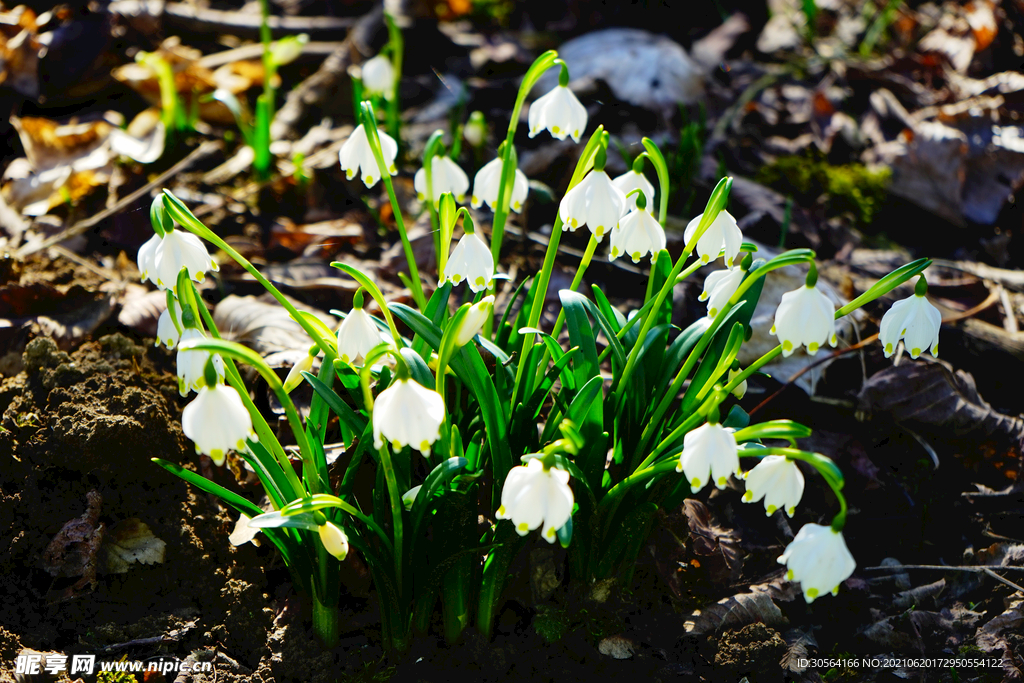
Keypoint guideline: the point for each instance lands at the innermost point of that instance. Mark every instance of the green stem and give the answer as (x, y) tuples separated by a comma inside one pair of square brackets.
[(184, 217), (397, 49), (370, 125), (588, 256), (325, 609), (396, 510)]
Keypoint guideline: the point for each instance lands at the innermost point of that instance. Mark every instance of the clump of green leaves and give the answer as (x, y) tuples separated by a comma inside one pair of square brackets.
[(846, 188)]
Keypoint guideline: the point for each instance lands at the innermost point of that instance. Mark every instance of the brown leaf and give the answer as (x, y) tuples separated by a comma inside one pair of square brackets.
[(130, 541), (930, 393), (720, 546), (733, 612), (991, 638)]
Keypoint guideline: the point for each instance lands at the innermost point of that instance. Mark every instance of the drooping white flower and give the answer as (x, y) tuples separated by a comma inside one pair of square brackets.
[(778, 480), (147, 254), (409, 497), (445, 176), (162, 258), (408, 414), (472, 261), (378, 77), (916, 322), (217, 421), (192, 363), (294, 377), (711, 448), (819, 559), (594, 202), (357, 336), (476, 129), (488, 181), (166, 331), (741, 389), (334, 539), (560, 113), (634, 180), (356, 155), (475, 318), (805, 316), (535, 496), (723, 233), (719, 287), (638, 234)]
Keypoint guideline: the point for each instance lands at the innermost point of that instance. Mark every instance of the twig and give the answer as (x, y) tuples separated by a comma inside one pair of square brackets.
[(140, 642), (976, 569), (204, 150), (247, 25)]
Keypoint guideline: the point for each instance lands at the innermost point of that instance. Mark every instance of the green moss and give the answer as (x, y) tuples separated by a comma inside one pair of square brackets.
[(846, 188), (551, 623)]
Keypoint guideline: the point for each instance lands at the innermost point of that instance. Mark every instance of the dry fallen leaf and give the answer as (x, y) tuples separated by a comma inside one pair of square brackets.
[(734, 612), (130, 541)]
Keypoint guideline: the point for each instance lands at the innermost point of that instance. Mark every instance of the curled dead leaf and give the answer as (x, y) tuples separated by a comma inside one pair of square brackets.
[(130, 541)]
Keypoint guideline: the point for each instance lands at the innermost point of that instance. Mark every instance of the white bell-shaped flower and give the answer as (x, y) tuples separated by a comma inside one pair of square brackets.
[(147, 256), (709, 449), (594, 202), (378, 77), (638, 234), (778, 481), (192, 363), (472, 261), (357, 336), (560, 113), (162, 258), (805, 316), (916, 322), (166, 331), (719, 287), (741, 389), (634, 180), (475, 318), (407, 414), (356, 155), (334, 539), (487, 182), (217, 421), (475, 131), (534, 496), (819, 559), (445, 176), (722, 234)]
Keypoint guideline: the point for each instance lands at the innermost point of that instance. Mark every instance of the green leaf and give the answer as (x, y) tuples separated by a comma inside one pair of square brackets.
[(418, 368), (231, 498), (351, 419), (581, 334), (604, 323)]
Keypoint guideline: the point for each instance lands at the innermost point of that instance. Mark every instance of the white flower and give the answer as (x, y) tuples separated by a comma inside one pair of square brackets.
[(471, 260), (378, 77), (407, 414), (488, 181), (723, 233), (356, 155), (476, 129), (445, 176), (916, 322), (217, 421), (596, 202), (560, 112), (166, 332), (334, 540), (631, 180), (357, 336), (819, 559), (191, 364), (162, 258), (639, 234), (711, 448), (805, 316), (741, 389), (778, 480), (475, 318), (409, 497), (294, 377), (719, 287), (147, 254), (533, 496)]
